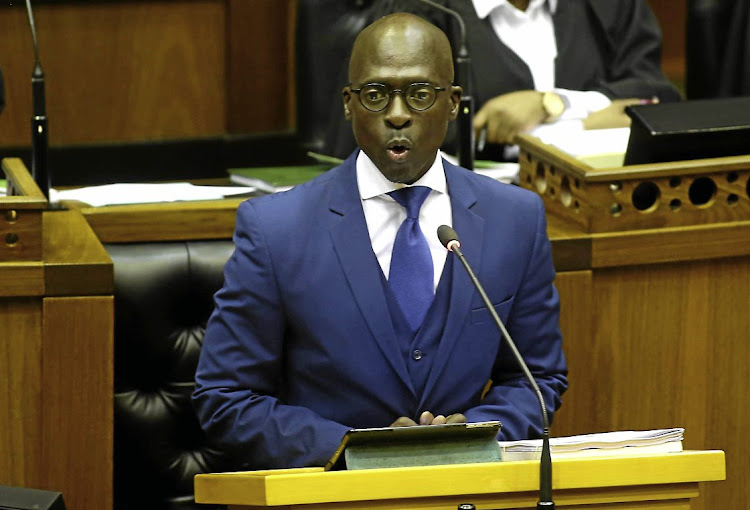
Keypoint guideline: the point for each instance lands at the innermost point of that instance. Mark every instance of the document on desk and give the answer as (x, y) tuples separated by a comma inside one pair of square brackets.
[(626, 442), (598, 147), (137, 193)]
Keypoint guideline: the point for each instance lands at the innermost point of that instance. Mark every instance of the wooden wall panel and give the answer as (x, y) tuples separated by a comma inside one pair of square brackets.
[(20, 389), (117, 70), (672, 16), (123, 71), (670, 349), (260, 85), (577, 412), (77, 388)]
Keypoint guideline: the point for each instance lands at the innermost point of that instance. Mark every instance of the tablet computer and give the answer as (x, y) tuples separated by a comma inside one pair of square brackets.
[(402, 442)]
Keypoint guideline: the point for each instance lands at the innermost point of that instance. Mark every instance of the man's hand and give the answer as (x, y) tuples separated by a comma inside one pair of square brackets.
[(427, 418), (613, 116), (510, 114)]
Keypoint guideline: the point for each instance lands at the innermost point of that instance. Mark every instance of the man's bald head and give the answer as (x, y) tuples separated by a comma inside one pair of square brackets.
[(391, 36), (401, 62)]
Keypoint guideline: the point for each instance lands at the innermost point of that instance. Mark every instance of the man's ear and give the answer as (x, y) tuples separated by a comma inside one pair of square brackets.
[(455, 97), (346, 96)]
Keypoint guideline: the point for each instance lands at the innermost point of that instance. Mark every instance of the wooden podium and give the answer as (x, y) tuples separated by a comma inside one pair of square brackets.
[(653, 271), (665, 481), (56, 327)]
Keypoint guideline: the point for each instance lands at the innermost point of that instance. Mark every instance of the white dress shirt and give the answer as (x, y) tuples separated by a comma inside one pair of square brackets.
[(530, 34), (384, 215)]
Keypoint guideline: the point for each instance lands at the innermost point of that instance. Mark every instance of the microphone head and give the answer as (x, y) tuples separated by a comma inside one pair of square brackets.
[(447, 236)]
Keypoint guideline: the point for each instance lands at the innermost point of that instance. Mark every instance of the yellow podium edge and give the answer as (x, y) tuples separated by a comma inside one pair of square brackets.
[(313, 485)]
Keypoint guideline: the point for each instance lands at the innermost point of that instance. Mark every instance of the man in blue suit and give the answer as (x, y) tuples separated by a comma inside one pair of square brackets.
[(316, 331)]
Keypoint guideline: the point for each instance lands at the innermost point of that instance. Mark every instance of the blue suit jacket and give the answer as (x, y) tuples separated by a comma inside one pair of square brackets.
[(301, 346)]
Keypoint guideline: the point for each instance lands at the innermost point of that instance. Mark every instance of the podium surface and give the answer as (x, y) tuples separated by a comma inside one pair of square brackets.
[(664, 481)]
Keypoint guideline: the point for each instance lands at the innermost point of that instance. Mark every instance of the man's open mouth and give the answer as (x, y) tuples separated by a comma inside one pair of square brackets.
[(398, 149)]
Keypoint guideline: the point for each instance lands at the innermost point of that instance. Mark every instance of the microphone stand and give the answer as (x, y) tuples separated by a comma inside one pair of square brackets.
[(39, 138), (545, 466), (466, 104)]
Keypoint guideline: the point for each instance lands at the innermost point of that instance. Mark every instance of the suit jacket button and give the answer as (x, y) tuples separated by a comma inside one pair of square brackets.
[(416, 354)]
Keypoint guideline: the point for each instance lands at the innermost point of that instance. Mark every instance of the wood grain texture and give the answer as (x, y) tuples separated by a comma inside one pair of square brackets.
[(21, 279), (20, 234), (20, 389), (117, 70), (260, 85), (75, 262), (77, 384), (634, 197), (671, 244), (580, 404), (164, 222), (56, 361), (20, 215), (669, 348)]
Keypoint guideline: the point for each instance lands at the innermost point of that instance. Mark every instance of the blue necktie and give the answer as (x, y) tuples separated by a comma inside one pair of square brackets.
[(411, 273)]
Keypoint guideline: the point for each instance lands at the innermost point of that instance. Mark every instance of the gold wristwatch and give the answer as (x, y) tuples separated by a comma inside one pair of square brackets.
[(554, 105)]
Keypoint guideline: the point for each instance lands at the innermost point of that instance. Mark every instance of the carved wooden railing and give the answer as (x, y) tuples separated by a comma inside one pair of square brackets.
[(679, 193)]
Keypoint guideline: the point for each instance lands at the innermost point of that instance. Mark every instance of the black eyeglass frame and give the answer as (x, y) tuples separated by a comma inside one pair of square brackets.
[(403, 92)]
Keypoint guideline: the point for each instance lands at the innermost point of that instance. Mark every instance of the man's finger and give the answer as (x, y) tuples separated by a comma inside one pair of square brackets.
[(426, 418), (439, 420), (403, 421), (456, 418)]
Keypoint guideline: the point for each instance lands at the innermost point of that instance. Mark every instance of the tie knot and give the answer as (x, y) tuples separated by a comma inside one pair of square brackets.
[(411, 198)]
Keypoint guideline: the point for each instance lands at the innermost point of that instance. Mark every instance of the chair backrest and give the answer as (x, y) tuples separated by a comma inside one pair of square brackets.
[(163, 298)]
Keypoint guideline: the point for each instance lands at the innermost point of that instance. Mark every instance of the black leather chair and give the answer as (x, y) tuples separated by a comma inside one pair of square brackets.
[(163, 298)]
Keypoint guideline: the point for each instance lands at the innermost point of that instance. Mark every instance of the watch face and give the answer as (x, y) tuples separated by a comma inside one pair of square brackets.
[(553, 105)]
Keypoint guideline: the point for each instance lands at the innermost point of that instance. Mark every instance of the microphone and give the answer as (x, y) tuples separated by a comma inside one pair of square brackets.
[(449, 239), (466, 104), (39, 139)]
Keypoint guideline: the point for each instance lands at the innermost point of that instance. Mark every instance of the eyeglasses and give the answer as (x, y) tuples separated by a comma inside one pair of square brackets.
[(418, 96)]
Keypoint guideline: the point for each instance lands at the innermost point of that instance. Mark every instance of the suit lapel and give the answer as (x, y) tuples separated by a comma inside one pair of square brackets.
[(351, 242), (470, 229)]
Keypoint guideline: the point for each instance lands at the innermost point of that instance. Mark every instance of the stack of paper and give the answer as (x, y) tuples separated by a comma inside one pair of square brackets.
[(606, 443), (119, 194)]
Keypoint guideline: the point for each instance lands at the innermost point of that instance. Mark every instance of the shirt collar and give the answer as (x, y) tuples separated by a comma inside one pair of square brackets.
[(485, 7), (372, 183)]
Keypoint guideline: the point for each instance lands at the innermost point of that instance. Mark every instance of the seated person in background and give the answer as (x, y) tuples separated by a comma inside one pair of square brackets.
[(543, 61), (340, 310)]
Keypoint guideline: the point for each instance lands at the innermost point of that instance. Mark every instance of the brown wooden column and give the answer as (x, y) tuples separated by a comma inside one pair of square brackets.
[(56, 350)]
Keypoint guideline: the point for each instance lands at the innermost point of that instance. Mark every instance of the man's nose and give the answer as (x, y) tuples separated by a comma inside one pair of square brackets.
[(398, 114)]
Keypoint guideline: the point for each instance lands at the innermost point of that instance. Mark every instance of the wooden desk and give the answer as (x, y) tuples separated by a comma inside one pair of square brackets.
[(669, 481), (56, 351)]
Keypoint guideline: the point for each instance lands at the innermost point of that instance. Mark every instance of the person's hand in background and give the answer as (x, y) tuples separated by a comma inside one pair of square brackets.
[(613, 116), (510, 114)]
